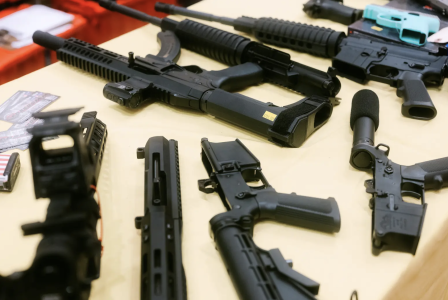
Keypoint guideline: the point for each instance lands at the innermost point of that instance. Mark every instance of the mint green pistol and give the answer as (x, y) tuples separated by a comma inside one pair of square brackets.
[(414, 27)]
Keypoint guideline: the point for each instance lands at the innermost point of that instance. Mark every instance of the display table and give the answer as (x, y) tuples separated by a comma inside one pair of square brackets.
[(340, 262)]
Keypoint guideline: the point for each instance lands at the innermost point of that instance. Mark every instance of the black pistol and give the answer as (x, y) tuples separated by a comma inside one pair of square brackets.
[(162, 273), (396, 224), (258, 274), (333, 10), (68, 256)]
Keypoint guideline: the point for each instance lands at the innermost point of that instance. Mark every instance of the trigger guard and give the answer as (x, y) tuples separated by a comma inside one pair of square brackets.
[(169, 46)]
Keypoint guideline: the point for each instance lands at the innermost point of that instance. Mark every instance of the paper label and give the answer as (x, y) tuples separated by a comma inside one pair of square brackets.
[(270, 116), (20, 108), (377, 28)]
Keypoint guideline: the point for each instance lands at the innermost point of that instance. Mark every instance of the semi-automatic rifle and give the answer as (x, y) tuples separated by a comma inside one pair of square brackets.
[(357, 57), (137, 80), (232, 49)]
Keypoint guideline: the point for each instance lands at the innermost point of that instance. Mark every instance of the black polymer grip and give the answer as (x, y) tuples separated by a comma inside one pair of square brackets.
[(217, 44), (314, 40), (332, 10), (417, 102), (314, 213), (248, 266)]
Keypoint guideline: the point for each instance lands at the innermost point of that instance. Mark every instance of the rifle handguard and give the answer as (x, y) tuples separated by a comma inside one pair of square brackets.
[(314, 40), (217, 44)]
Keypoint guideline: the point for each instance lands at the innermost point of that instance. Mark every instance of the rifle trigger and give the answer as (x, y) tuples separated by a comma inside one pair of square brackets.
[(369, 186), (243, 195), (203, 185)]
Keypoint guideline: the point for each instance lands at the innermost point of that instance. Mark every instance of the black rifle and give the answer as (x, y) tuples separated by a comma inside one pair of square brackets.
[(68, 256), (358, 58), (332, 10), (162, 273), (258, 274), (396, 224), (232, 49), (136, 80)]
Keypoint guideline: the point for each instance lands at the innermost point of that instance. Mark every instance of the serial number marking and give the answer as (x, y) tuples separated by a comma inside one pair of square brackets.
[(270, 116)]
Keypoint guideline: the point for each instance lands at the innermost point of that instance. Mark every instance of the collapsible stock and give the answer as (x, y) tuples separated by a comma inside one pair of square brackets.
[(257, 274)]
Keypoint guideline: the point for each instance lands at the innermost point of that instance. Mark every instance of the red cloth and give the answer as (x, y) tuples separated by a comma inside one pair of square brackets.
[(104, 24), (19, 62)]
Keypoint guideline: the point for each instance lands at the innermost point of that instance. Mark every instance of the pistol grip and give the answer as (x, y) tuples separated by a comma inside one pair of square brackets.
[(417, 102), (332, 10), (313, 213), (237, 77)]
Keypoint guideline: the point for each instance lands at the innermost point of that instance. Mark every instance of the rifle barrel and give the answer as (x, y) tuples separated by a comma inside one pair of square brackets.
[(176, 10)]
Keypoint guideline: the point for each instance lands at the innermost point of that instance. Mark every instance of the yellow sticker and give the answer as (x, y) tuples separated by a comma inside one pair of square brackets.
[(270, 116), (377, 28)]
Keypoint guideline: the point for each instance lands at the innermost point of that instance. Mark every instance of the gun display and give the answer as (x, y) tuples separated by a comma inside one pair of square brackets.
[(136, 80), (162, 273), (414, 28), (396, 224), (332, 10), (68, 256), (258, 274), (232, 49), (361, 59)]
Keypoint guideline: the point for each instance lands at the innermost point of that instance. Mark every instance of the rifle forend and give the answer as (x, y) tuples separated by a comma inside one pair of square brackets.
[(162, 273), (258, 274)]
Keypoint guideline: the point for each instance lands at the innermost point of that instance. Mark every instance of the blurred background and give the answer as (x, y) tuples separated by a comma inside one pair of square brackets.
[(81, 19)]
